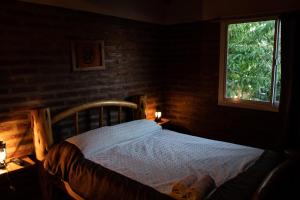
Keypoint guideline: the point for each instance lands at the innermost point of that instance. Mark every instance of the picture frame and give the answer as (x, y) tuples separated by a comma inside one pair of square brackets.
[(87, 55)]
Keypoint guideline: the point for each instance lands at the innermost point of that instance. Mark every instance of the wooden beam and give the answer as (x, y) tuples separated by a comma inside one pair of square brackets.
[(42, 132), (142, 106), (141, 101)]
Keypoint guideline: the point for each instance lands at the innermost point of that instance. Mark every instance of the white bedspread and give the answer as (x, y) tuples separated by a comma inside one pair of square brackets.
[(142, 151)]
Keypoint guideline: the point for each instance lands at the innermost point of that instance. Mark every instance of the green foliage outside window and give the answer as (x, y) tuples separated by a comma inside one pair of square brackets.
[(250, 61)]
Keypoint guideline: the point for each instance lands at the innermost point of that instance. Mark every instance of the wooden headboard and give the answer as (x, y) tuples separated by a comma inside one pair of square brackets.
[(42, 121)]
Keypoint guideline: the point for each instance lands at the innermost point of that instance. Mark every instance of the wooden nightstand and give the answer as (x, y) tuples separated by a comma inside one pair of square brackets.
[(20, 182), (163, 122)]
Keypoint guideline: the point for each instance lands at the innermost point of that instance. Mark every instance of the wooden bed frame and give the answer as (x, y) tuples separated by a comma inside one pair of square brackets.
[(43, 137), (42, 123)]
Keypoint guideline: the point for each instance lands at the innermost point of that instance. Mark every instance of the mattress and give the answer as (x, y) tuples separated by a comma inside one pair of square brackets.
[(142, 151)]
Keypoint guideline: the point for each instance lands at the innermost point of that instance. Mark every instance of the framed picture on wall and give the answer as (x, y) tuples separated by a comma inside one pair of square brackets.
[(87, 55)]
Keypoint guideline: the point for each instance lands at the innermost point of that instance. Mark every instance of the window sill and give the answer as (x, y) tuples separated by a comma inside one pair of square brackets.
[(264, 106)]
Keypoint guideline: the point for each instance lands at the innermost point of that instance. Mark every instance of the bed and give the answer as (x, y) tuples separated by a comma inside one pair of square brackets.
[(140, 160)]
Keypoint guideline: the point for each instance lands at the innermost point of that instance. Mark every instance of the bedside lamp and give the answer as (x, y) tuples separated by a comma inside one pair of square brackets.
[(157, 116), (2, 154)]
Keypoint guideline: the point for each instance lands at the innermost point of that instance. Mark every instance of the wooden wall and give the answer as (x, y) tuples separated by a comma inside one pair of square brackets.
[(17, 135), (35, 59), (191, 91)]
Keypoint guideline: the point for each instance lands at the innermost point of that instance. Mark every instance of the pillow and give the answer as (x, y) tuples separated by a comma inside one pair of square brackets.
[(99, 139)]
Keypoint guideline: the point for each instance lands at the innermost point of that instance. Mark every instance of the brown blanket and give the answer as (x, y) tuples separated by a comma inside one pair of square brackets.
[(91, 180)]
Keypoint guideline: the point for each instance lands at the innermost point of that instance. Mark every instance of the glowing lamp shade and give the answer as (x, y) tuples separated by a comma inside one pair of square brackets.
[(157, 116), (2, 154)]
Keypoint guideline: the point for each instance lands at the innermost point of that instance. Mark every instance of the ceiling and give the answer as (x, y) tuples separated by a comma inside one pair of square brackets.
[(175, 11)]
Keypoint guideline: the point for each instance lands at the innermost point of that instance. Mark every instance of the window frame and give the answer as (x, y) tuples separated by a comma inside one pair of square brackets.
[(273, 105)]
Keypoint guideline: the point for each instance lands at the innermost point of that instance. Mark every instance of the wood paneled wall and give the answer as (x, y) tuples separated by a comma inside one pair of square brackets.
[(17, 135)]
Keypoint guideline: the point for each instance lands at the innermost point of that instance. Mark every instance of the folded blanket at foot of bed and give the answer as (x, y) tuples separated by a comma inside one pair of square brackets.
[(192, 188)]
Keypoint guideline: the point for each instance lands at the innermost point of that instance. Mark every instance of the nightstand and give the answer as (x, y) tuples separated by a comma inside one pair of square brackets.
[(20, 182), (163, 122)]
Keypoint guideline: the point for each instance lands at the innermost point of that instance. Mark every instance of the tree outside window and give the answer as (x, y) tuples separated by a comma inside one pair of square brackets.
[(250, 64)]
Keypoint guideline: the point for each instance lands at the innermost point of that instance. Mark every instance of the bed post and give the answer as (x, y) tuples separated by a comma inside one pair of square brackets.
[(141, 101), (42, 132), (142, 105)]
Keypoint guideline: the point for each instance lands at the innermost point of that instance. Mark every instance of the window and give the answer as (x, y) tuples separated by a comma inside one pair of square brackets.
[(250, 67)]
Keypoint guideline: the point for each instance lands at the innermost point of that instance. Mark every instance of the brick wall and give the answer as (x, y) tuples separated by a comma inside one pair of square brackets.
[(35, 59), (176, 66), (191, 91)]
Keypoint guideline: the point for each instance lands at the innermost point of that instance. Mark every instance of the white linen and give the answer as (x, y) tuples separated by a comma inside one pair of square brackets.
[(159, 158), (92, 141)]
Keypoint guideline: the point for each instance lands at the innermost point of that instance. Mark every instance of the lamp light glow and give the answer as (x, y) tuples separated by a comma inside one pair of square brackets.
[(2, 154), (157, 116)]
